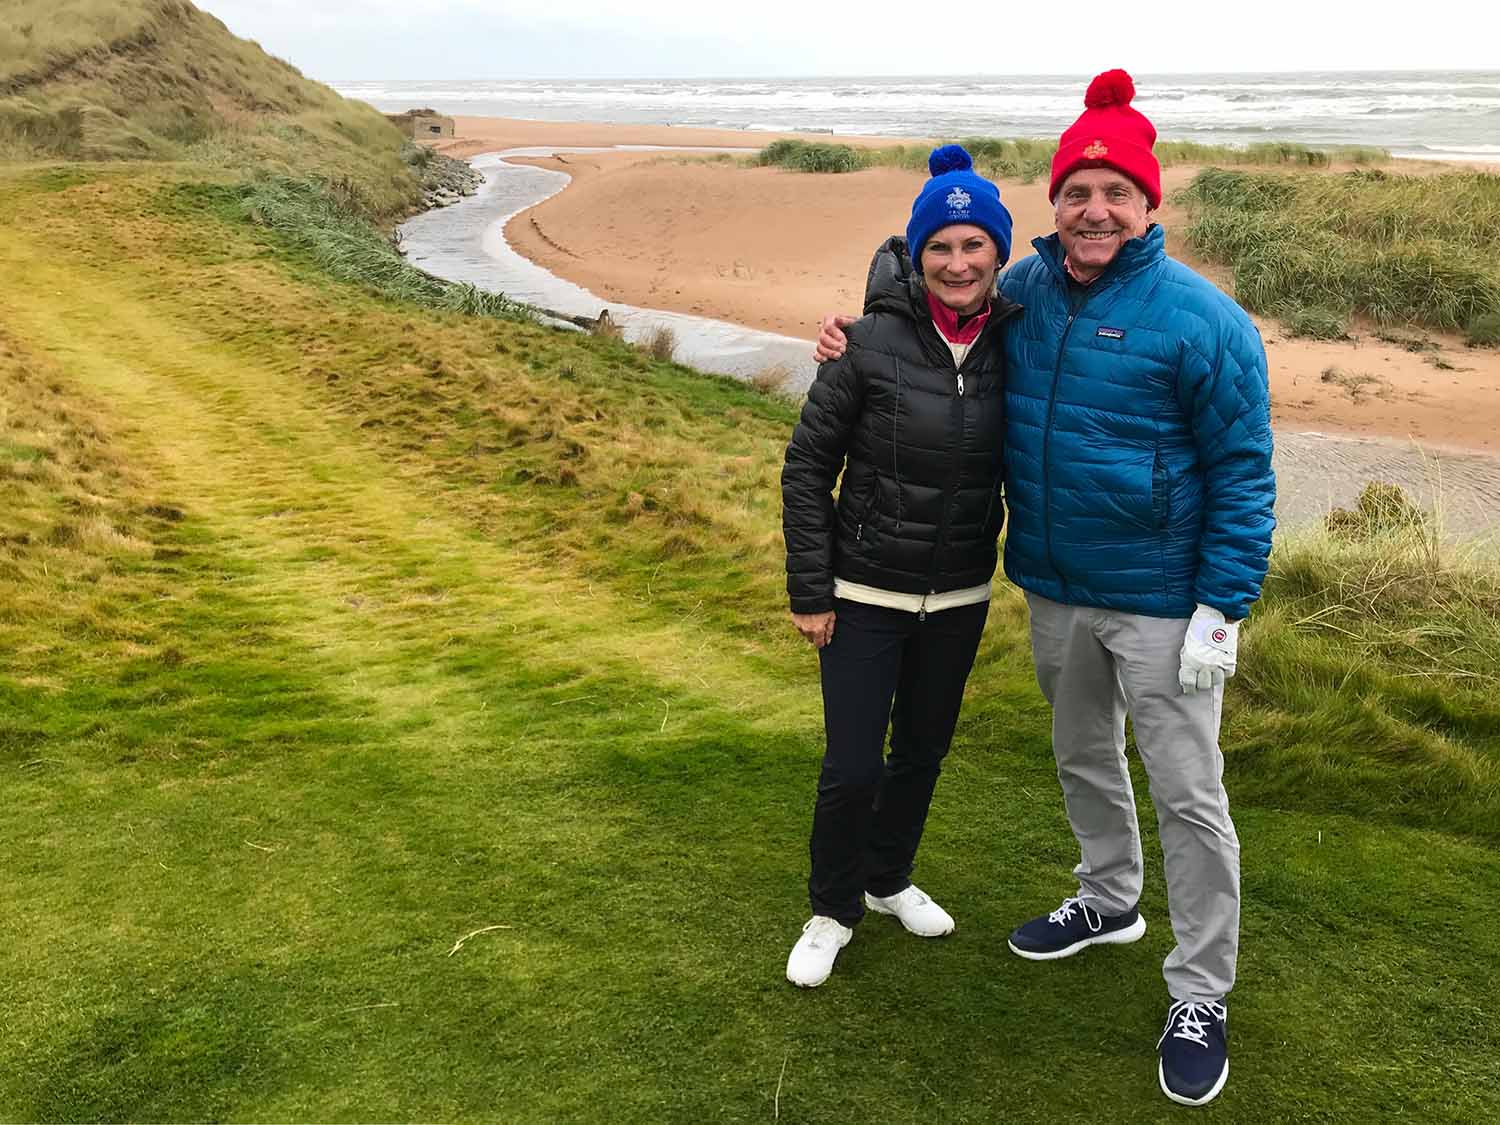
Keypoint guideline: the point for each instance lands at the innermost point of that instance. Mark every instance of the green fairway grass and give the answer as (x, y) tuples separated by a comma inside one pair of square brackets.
[(338, 630)]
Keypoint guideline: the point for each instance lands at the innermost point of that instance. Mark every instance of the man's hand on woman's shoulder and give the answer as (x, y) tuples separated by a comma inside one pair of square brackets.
[(831, 338)]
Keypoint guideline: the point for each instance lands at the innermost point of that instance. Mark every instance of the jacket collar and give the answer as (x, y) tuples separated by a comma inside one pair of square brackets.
[(946, 321), (1133, 257)]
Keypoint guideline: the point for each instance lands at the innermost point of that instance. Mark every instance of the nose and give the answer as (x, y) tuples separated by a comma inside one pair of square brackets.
[(1096, 212)]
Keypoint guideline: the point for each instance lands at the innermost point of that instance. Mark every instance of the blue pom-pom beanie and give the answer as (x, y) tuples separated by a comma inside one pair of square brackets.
[(956, 194)]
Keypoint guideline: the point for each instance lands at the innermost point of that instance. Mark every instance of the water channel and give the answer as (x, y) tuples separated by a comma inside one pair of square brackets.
[(1315, 471)]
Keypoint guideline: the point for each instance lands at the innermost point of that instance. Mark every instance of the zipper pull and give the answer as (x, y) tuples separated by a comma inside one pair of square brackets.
[(859, 533), (922, 609), (960, 384)]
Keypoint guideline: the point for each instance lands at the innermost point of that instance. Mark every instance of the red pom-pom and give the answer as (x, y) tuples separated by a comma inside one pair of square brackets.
[(1113, 87)]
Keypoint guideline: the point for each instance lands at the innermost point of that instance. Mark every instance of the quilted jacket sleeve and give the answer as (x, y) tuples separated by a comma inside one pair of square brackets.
[(813, 462), (1222, 385)]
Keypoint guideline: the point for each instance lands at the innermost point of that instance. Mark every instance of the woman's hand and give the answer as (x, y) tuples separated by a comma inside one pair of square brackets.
[(816, 627)]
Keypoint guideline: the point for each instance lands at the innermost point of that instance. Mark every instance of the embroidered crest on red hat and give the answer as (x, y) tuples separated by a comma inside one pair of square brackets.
[(1096, 150)]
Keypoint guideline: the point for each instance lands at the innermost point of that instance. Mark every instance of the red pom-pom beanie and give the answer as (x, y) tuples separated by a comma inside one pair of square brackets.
[(1110, 134)]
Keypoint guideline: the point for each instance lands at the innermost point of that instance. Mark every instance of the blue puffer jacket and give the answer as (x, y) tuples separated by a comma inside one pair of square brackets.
[(1138, 437)]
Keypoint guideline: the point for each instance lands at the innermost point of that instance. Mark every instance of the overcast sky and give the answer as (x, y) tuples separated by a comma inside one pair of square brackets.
[(337, 40)]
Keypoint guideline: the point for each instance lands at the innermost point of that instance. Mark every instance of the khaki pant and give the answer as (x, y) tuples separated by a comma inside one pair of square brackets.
[(1093, 665)]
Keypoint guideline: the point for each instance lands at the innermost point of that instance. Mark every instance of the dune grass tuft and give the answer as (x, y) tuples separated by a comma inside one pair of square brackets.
[(338, 236), (660, 343), (1400, 249), (1029, 159), (1484, 330)]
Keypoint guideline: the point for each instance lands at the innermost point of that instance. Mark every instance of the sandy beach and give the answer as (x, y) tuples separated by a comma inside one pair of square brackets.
[(774, 249)]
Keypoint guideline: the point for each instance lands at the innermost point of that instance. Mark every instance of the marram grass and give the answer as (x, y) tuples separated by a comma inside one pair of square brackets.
[(1029, 159), (1400, 249), (163, 80)]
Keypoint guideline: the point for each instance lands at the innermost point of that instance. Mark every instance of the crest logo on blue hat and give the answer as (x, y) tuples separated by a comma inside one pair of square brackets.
[(959, 200)]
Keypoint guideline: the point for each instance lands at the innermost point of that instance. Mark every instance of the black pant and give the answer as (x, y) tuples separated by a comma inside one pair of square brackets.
[(884, 668)]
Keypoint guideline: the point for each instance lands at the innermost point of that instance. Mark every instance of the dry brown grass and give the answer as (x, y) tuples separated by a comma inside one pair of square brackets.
[(771, 379), (660, 343)]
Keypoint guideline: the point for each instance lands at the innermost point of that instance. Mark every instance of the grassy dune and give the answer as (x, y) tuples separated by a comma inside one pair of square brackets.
[(162, 80), (1400, 249), (340, 630)]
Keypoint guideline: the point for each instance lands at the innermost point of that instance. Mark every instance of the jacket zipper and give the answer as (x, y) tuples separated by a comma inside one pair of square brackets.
[(958, 406), (958, 418), (1051, 413)]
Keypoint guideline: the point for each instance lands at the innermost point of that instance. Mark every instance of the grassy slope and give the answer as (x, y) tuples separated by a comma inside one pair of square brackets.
[(339, 631), (159, 79)]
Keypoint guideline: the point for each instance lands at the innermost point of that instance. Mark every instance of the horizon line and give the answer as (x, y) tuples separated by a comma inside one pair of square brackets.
[(947, 77)]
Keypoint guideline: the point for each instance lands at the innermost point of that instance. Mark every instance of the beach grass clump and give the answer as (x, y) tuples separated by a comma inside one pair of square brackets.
[(660, 343), (1029, 159), (1314, 323), (1484, 330), (1401, 249), (1370, 625), (771, 379), (811, 156), (328, 223)]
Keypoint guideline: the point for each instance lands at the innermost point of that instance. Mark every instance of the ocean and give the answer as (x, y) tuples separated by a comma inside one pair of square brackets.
[(1437, 115)]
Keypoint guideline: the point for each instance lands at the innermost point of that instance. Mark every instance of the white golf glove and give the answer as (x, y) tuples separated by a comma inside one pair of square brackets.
[(1208, 651)]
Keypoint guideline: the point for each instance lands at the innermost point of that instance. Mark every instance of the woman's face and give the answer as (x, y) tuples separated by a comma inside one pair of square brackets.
[(959, 264)]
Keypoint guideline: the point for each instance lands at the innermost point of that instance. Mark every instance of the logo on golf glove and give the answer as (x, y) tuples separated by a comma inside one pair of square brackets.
[(1208, 651)]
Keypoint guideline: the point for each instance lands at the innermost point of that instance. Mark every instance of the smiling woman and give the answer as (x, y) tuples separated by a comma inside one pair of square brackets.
[(892, 583)]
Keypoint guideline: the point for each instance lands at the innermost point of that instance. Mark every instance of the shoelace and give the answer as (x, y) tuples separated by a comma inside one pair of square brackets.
[(1191, 1020), (1064, 914)]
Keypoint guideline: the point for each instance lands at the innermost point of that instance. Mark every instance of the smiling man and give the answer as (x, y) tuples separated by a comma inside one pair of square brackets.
[(1139, 491)]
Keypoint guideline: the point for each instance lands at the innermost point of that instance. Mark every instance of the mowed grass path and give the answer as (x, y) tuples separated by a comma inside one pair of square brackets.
[(412, 627)]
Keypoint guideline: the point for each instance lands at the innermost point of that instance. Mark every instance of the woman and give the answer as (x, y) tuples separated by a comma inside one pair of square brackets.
[(891, 583)]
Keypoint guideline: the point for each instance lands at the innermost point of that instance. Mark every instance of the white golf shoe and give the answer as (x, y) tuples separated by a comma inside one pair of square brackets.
[(812, 957), (918, 913)]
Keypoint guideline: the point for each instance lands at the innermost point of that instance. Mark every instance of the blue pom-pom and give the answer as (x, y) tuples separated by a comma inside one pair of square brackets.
[(949, 158)]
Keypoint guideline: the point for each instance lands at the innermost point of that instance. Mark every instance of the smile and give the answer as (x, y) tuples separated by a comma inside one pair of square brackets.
[(1097, 235)]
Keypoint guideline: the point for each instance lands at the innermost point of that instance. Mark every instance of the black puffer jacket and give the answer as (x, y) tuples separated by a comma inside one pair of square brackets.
[(919, 443)]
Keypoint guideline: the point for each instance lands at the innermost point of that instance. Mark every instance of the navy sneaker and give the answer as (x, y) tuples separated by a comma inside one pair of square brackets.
[(1072, 927), (1194, 1050)]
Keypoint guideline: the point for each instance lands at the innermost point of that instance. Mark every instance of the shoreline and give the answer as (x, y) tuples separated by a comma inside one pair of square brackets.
[(773, 250)]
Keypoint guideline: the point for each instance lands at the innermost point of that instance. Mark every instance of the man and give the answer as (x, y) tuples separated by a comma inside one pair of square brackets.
[(1139, 490)]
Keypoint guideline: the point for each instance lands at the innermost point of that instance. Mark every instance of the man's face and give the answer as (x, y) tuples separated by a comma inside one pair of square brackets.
[(1098, 211)]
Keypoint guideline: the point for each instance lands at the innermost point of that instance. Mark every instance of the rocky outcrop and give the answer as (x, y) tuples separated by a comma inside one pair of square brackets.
[(445, 180)]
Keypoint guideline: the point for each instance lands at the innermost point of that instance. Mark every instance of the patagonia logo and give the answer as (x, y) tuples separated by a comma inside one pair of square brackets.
[(1111, 333)]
